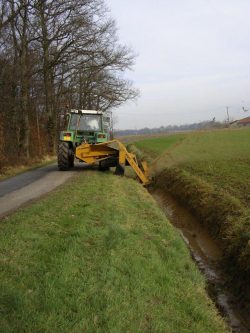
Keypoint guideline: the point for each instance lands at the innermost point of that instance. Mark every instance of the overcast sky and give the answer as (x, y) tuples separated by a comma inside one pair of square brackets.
[(193, 59)]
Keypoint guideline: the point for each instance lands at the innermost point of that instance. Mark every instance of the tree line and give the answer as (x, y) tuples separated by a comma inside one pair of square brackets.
[(55, 55), (204, 125)]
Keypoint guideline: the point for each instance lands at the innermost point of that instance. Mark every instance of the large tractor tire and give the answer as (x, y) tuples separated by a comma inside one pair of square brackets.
[(65, 157)]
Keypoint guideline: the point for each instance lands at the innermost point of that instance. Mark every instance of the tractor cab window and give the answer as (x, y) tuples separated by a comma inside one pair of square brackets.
[(73, 121), (106, 123), (90, 123), (86, 122)]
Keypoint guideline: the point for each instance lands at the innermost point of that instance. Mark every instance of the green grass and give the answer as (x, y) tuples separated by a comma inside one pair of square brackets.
[(222, 158), (12, 171), (209, 173), (98, 255), (155, 146)]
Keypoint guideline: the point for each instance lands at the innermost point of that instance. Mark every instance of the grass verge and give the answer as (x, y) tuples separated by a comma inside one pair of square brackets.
[(97, 255), (8, 172)]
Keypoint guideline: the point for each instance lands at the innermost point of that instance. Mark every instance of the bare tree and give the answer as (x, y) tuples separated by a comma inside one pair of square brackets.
[(55, 53)]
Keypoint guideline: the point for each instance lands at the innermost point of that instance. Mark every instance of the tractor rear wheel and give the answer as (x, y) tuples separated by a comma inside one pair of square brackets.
[(65, 157)]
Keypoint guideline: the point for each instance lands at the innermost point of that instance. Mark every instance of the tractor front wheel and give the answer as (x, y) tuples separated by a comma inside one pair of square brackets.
[(65, 157)]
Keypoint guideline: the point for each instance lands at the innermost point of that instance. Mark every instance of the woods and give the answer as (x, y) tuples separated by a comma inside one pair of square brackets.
[(55, 55)]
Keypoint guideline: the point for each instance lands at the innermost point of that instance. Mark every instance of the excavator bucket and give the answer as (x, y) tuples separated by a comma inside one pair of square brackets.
[(113, 153)]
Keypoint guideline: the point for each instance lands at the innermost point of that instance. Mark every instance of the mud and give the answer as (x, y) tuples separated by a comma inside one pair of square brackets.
[(207, 254)]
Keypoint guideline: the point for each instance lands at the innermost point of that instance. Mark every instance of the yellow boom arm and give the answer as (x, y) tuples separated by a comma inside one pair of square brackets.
[(93, 153)]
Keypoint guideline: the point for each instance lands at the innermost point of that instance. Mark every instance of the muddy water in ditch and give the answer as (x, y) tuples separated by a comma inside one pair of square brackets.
[(207, 254)]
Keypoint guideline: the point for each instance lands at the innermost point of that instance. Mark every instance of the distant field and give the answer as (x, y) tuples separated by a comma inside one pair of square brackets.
[(98, 255), (156, 146), (220, 157)]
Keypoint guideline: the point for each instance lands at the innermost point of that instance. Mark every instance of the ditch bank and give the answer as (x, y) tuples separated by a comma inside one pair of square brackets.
[(225, 224)]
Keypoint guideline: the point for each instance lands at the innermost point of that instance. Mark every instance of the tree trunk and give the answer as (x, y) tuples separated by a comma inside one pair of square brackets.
[(48, 80), (24, 80)]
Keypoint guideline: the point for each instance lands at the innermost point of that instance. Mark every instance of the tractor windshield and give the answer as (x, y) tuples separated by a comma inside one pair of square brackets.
[(85, 122)]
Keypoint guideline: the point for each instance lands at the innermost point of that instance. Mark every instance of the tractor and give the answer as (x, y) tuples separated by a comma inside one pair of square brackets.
[(89, 138), (83, 126)]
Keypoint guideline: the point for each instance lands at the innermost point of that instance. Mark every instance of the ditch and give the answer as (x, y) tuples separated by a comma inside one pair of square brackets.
[(207, 254)]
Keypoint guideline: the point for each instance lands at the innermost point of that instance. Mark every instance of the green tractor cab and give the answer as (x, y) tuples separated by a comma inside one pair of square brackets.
[(83, 126)]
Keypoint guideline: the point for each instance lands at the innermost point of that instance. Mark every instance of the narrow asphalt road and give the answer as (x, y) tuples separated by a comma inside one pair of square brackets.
[(18, 190)]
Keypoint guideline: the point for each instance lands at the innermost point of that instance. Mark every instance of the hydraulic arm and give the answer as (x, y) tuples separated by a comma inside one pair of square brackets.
[(113, 153)]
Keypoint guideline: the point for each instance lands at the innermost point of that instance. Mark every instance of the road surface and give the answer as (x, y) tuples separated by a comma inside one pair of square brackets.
[(18, 190)]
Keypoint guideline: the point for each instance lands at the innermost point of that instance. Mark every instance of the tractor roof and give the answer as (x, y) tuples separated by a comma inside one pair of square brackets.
[(86, 111)]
